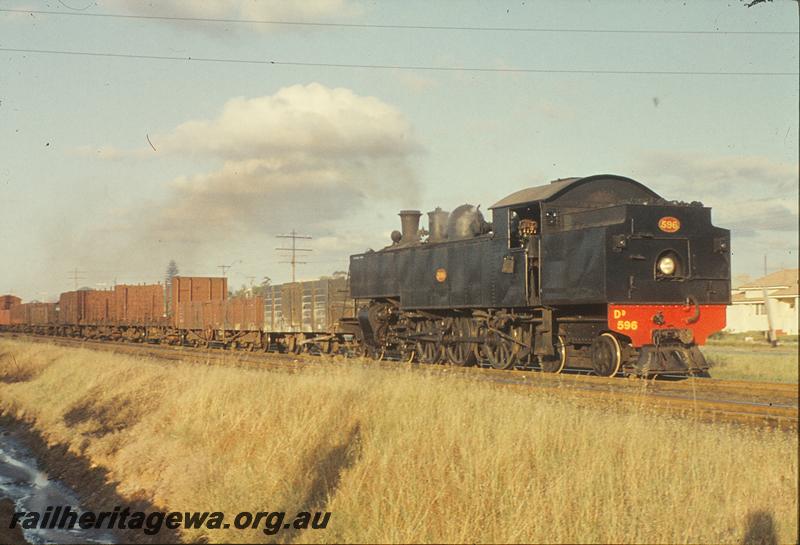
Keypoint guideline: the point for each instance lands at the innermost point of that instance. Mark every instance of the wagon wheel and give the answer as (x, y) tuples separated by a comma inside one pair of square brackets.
[(364, 350), (499, 351), (606, 355), (333, 347), (427, 351), (555, 364), (461, 353)]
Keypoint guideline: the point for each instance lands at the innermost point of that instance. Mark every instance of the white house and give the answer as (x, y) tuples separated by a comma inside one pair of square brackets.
[(748, 311)]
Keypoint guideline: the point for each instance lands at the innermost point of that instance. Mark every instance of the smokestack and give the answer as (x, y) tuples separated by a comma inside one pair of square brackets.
[(409, 221), (437, 225)]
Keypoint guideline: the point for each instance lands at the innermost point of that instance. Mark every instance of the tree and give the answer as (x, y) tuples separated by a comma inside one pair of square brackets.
[(172, 271), (259, 290)]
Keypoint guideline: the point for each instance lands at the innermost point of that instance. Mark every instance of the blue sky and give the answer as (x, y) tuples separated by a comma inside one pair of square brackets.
[(244, 152)]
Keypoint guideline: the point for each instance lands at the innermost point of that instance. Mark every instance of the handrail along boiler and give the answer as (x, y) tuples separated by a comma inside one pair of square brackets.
[(597, 272)]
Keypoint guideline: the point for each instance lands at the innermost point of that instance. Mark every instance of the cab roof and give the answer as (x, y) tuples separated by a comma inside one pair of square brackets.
[(600, 188)]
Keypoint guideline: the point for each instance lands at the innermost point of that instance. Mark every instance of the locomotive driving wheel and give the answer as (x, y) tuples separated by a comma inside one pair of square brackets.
[(427, 350), (408, 353), (501, 349), (555, 364), (406, 347), (606, 355), (460, 352)]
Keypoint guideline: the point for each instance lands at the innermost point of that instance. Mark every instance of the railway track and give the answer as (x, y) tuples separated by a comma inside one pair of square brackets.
[(710, 400)]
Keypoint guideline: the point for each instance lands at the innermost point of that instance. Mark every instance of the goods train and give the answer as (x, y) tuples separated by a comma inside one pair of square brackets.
[(597, 273), (288, 318)]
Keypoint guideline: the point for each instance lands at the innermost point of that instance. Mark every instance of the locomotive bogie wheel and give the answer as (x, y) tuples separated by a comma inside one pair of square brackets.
[(555, 364), (606, 355)]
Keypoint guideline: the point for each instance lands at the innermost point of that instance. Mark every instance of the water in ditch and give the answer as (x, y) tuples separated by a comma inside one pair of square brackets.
[(31, 490)]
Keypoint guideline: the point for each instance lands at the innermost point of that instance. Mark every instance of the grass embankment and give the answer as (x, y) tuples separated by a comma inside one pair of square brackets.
[(399, 456), (769, 365), (750, 339)]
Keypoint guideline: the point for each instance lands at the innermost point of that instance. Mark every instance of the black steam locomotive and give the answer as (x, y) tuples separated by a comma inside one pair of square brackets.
[(597, 273)]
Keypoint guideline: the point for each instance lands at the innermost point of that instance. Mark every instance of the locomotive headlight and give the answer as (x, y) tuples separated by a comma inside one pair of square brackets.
[(666, 265)]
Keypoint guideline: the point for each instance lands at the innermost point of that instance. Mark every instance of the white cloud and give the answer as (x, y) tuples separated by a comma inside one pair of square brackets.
[(309, 120), (307, 156), (722, 175), (753, 196), (283, 9), (320, 160), (749, 194)]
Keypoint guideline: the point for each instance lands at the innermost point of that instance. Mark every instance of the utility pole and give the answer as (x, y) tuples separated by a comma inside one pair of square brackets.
[(772, 335), (294, 249), (75, 275), (225, 269)]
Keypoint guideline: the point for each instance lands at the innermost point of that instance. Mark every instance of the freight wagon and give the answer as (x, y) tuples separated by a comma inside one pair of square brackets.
[(141, 304), (125, 304), (204, 315), (35, 314), (236, 313), (8, 301), (313, 306), (291, 317), (198, 288)]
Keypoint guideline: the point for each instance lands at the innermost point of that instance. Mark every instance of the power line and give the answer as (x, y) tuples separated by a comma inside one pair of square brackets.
[(225, 268), (87, 6), (76, 275), (395, 27), (391, 66)]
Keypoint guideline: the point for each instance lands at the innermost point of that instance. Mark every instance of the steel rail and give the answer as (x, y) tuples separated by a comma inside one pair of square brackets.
[(711, 400)]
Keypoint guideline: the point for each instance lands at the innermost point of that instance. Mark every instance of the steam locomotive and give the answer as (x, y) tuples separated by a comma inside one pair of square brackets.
[(596, 273)]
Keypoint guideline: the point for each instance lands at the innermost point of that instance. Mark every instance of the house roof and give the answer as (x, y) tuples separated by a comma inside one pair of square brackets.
[(786, 292), (786, 279), (741, 298)]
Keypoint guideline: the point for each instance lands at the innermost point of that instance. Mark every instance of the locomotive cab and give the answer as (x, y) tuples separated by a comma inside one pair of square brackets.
[(658, 272)]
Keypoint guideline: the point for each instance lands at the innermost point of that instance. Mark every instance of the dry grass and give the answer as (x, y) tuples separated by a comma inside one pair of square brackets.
[(771, 365), (398, 456)]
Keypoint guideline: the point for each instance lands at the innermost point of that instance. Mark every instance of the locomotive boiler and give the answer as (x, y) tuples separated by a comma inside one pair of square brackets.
[(598, 273)]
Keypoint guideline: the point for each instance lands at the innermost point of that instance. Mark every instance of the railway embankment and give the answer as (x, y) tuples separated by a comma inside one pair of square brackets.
[(392, 455)]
